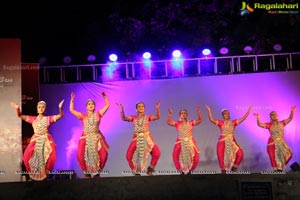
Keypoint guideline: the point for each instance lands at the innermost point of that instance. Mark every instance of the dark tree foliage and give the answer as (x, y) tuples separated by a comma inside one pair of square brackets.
[(195, 24)]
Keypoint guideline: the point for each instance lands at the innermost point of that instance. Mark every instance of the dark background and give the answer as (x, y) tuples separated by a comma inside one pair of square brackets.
[(54, 29)]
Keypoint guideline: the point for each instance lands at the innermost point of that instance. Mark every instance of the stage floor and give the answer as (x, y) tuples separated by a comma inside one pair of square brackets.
[(196, 186)]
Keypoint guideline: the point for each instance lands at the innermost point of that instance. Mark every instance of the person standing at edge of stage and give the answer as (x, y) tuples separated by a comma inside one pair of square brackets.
[(142, 143), (92, 147), (279, 151), (186, 153), (229, 153), (40, 154)]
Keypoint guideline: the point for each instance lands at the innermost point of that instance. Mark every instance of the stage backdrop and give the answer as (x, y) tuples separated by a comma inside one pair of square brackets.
[(10, 124), (277, 91)]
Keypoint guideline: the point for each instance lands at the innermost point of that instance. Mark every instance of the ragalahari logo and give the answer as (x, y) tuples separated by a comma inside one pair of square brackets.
[(246, 9)]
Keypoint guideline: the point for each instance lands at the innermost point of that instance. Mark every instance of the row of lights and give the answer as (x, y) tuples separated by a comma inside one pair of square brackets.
[(175, 54), (178, 54)]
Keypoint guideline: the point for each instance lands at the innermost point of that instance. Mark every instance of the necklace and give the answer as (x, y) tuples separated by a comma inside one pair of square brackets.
[(39, 121), (140, 121), (91, 119)]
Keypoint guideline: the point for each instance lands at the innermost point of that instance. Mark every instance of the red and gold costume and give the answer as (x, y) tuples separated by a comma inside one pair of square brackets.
[(186, 154), (141, 145), (92, 147), (40, 154), (228, 151), (278, 150)]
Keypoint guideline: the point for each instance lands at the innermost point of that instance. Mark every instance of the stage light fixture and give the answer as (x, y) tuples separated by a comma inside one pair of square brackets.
[(176, 54), (67, 59), (248, 49), (206, 52), (224, 50), (42, 60), (277, 47), (91, 58), (113, 57), (146, 55)]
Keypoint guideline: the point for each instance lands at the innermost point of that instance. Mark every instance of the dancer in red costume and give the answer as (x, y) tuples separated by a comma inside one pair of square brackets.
[(40, 155), (279, 151), (92, 147), (229, 153), (142, 143), (186, 154)]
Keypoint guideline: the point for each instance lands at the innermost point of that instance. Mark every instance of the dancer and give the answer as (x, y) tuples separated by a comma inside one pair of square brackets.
[(186, 154), (279, 151), (40, 154), (229, 153), (92, 147), (142, 142)]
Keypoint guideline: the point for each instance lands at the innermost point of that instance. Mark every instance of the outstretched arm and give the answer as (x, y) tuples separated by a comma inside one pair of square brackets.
[(200, 118), (61, 112), (210, 117), (169, 121), (157, 116), (19, 113), (262, 125), (123, 117), (72, 110), (105, 108), (245, 115), (288, 120)]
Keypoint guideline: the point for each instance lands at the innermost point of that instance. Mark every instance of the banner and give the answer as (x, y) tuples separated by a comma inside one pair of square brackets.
[(10, 124)]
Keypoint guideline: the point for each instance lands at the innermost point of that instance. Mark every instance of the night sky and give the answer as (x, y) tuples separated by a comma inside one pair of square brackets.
[(54, 29)]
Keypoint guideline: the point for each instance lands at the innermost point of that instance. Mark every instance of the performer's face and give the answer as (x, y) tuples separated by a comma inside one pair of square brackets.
[(226, 114), (90, 106), (273, 116), (183, 114), (41, 108), (140, 108)]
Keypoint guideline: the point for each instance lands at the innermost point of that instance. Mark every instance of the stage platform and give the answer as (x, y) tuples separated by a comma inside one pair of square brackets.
[(258, 186)]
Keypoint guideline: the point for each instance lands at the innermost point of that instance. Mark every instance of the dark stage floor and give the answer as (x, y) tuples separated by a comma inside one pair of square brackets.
[(196, 186)]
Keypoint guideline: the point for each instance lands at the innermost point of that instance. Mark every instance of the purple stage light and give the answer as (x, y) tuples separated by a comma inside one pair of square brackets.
[(67, 59), (113, 57), (147, 55), (176, 53), (248, 49), (277, 47), (206, 52), (224, 50), (91, 58)]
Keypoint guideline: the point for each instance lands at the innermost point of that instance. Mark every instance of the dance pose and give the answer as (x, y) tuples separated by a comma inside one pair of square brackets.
[(40, 154), (92, 147), (186, 154), (229, 153), (279, 151), (142, 141)]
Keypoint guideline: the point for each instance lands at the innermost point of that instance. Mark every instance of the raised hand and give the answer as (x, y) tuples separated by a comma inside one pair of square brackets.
[(120, 106), (157, 105), (256, 115), (103, 94), (198, 109), (61, 103), (293, 108), (72, 96), (14, 105), (250, 108), (207, 107), (170, 111)]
